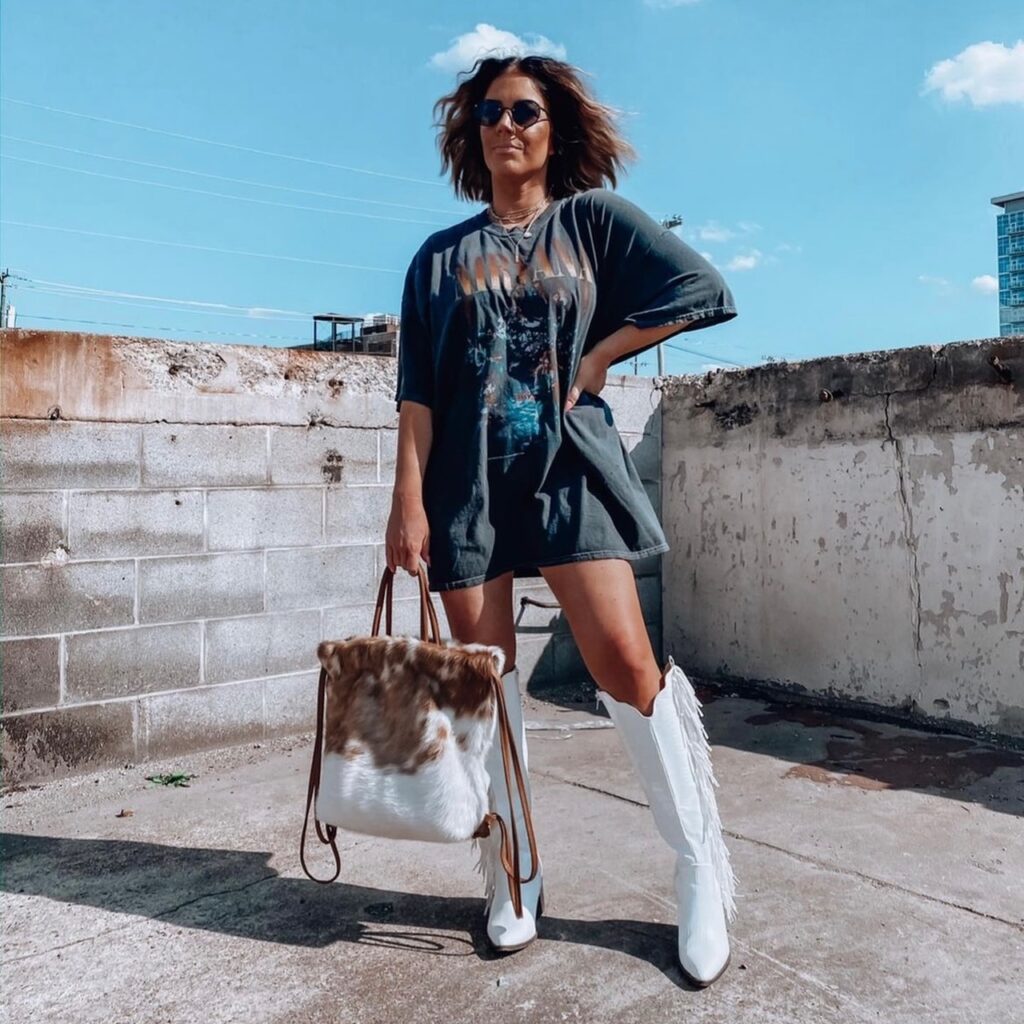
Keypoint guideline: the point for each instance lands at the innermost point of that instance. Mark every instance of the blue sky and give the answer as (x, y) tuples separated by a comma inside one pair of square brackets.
[(835, 160)]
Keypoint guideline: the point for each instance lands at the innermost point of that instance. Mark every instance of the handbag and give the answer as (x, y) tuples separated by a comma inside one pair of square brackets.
[(403, 728)]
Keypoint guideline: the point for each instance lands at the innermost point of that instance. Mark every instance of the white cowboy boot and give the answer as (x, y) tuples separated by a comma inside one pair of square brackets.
[(670, 752), (506, 932)]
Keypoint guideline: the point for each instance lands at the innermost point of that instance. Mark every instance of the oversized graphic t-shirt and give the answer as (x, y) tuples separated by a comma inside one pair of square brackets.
[(494, 323)]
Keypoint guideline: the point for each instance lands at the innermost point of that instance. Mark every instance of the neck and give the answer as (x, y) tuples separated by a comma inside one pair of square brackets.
[(517, 194)]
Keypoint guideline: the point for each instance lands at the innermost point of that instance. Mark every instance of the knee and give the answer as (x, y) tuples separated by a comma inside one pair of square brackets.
[(631, 677)]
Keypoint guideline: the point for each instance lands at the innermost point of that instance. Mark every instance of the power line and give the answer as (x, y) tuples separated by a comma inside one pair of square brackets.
[(200, 248), (142, 327), (170, 309), (224, 177), (703, 355), (220, 195), (246, 310), (223, 145)]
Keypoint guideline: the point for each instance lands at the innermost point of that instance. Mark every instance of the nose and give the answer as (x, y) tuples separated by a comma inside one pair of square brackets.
[(506, 123)]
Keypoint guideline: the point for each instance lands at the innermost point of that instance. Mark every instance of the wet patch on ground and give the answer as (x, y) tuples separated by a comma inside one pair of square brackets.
[(878, 756)]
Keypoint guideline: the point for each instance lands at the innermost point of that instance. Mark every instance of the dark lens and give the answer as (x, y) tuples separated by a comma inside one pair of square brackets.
[(525, 112), (487, 113)]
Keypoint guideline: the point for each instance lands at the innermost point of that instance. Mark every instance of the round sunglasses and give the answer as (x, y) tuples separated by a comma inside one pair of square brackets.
[(524, 113)]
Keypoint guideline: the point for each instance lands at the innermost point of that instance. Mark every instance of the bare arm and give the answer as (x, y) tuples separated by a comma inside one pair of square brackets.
[(593, 368), (408, 534)]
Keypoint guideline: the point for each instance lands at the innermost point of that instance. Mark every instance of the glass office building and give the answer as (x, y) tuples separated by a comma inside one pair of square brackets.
[(1010, 242)]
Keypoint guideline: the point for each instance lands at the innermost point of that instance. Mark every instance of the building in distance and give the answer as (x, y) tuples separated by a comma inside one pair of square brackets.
[(1010, 253)]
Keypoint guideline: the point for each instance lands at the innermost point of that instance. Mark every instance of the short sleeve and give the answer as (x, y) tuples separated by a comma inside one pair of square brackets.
[(650, 277), (415, 351)]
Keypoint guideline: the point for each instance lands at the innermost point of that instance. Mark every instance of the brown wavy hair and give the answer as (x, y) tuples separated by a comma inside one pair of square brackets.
[(589, 151)]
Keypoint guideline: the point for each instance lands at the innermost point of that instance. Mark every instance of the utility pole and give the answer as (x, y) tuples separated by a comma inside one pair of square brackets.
[(5, 306), (672, 221)]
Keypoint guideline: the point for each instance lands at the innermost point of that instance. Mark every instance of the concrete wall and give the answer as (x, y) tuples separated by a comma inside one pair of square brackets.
[(853, 528), (182, 523)]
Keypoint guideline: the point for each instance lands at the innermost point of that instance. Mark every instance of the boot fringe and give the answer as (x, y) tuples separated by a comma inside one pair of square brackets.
[(688, 708), (486, 864)]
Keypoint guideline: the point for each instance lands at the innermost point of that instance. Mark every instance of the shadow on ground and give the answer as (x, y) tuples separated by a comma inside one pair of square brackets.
[(238, 893)]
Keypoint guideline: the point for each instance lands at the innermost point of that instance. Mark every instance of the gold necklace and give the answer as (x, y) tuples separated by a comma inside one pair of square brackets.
[(510, 218), (536, 211)]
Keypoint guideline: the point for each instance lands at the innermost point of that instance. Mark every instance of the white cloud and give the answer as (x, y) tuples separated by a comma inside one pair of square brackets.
[(940, 285), (985, 73), (715, 232), (487, 41), (709, 258), (986, 284), (789, 247), (746, 260), (712, 231)]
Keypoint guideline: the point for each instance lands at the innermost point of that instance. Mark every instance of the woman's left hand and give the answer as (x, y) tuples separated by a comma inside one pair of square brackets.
[(591, 377)]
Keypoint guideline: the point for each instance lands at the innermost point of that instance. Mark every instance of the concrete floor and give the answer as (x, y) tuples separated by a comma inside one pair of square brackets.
[(880, 880)]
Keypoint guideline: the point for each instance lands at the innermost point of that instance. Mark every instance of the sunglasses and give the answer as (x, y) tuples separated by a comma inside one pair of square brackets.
[(524, 113)]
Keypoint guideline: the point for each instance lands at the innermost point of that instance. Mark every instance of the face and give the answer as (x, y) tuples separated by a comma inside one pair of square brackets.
[(511, 151)]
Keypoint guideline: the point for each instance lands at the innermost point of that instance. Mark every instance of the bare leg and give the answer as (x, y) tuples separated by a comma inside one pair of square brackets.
[(658, 718), (483, 615), (601, 602)]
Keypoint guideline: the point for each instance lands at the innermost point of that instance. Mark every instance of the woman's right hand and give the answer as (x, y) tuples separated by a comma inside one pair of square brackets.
[(407, 539)]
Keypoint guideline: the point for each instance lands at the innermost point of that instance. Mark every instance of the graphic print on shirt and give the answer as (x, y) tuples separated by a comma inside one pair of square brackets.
[(522, 352)]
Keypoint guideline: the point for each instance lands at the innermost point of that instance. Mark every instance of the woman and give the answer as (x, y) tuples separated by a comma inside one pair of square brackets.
[(503, 469)]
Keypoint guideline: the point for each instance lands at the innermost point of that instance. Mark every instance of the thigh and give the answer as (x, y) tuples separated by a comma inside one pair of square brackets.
[(601, 602), (483, 614)]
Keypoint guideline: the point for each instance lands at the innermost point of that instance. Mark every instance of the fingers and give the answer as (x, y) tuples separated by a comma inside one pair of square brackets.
[(404, 557), (572, 397)]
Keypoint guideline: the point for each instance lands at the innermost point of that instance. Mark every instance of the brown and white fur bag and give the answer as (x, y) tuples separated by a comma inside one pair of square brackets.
[(408, 726), (404, 727)]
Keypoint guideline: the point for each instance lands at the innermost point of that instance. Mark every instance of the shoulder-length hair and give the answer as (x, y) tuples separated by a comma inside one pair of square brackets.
[(589, 151)]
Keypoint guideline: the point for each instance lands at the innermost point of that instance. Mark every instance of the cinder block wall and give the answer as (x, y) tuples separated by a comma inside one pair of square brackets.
[(852, 528), (181, 525)]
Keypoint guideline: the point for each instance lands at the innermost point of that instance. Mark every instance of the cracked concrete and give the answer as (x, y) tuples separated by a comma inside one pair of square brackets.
[(909, 537), (897, 903), (786, 526)]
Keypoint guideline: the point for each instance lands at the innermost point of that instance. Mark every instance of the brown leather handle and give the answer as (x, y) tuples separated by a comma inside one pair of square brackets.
[(430, 627)]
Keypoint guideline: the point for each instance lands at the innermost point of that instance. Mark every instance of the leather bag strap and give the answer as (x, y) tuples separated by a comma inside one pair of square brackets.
[(327, 834)]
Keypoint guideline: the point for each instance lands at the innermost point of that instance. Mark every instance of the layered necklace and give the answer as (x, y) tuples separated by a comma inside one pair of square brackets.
[(514, 217)]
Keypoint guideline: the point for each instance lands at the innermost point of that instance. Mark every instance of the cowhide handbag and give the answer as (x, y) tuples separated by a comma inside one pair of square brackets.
[(403, 727)]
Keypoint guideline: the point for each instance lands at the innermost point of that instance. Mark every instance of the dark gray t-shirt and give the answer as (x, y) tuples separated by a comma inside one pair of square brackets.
[(491, 340)]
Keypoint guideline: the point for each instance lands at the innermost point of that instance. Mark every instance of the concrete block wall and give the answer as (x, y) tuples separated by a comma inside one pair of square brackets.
[(852, 529), (181, 525)]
